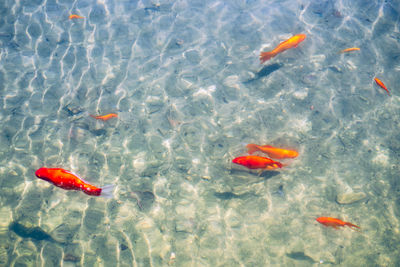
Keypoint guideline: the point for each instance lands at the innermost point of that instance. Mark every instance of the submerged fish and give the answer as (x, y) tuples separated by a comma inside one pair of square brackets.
[(257, 162), (74, 16), (382, 85), (293, 41), (273, 152), (105, 117), (350, 49), (335, 223), (69, 181)]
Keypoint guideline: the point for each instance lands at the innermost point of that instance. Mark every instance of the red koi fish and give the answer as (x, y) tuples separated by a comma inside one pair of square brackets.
[(73, 16), (382, 85), (273, 152), (69, 181), (257, 162), (335, 223), (285, 45), (105, 117)]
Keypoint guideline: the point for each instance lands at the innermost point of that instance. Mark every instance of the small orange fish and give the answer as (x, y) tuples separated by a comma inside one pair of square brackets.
[(273, 152), (69, 181), (285, 45), (350, 49), (257, 162), (335, 223), (381, 84), (105, 117), (73, 16)]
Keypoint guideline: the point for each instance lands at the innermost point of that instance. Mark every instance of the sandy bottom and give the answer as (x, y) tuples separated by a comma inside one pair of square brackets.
[(185, 80)]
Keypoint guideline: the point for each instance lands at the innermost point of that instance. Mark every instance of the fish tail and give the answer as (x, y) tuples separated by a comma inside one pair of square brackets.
[(351, 225), (264, 56), (93, 116), (280, 165), (107, 191), (251, 148)]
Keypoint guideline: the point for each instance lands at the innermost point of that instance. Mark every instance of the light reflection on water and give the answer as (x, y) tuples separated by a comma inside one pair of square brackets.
[(185, 80)]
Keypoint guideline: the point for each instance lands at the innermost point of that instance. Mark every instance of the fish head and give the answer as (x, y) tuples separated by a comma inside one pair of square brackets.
[(42, 173), (240, 161), (293, 154), (300, 37)]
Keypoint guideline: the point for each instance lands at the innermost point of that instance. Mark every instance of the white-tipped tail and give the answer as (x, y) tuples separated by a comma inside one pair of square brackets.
[(107, 191)]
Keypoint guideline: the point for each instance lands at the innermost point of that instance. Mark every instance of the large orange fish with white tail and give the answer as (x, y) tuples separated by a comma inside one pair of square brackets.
[(69, 181), (293, 41)]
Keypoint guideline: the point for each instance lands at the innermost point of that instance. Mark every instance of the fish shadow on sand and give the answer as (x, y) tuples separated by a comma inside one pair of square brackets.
[(230, 195), (265, 174), (35, 233), (300, 256), (264, 72), (62, 234)]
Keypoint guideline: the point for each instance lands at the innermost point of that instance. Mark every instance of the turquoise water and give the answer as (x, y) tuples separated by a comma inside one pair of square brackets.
[(185, 79)]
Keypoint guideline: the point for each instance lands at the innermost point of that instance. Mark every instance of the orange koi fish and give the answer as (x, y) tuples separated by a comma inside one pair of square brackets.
[(257, 162), (105, 117), (69, 181), (73, 16), (335, 223), (273, 152), (285, 45), (382, 85), (350, 49)]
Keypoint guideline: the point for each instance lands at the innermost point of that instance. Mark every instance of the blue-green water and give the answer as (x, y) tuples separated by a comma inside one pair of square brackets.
[(190, 93)]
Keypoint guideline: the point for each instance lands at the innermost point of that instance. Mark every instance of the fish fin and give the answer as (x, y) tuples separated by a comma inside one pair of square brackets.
[(268, 146), (352, 225), (264, 56), (280, 165), (107, 191), (251, 148)]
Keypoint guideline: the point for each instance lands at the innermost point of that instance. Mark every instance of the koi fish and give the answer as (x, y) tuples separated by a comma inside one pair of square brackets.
[(382, 85), (273, 152), (350, 49), (105, 117), (285, 45), (257, 162), (335, 223), (73, 16), (69, 181)]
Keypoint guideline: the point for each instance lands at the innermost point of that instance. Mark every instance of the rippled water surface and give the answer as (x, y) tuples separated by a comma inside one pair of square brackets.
[(186, 82)]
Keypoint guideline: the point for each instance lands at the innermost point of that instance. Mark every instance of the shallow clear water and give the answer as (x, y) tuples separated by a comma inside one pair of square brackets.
[(190, 93)]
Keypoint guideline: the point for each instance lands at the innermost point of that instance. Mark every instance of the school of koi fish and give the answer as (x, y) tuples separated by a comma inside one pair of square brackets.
[(69, 181), (254, 159)]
